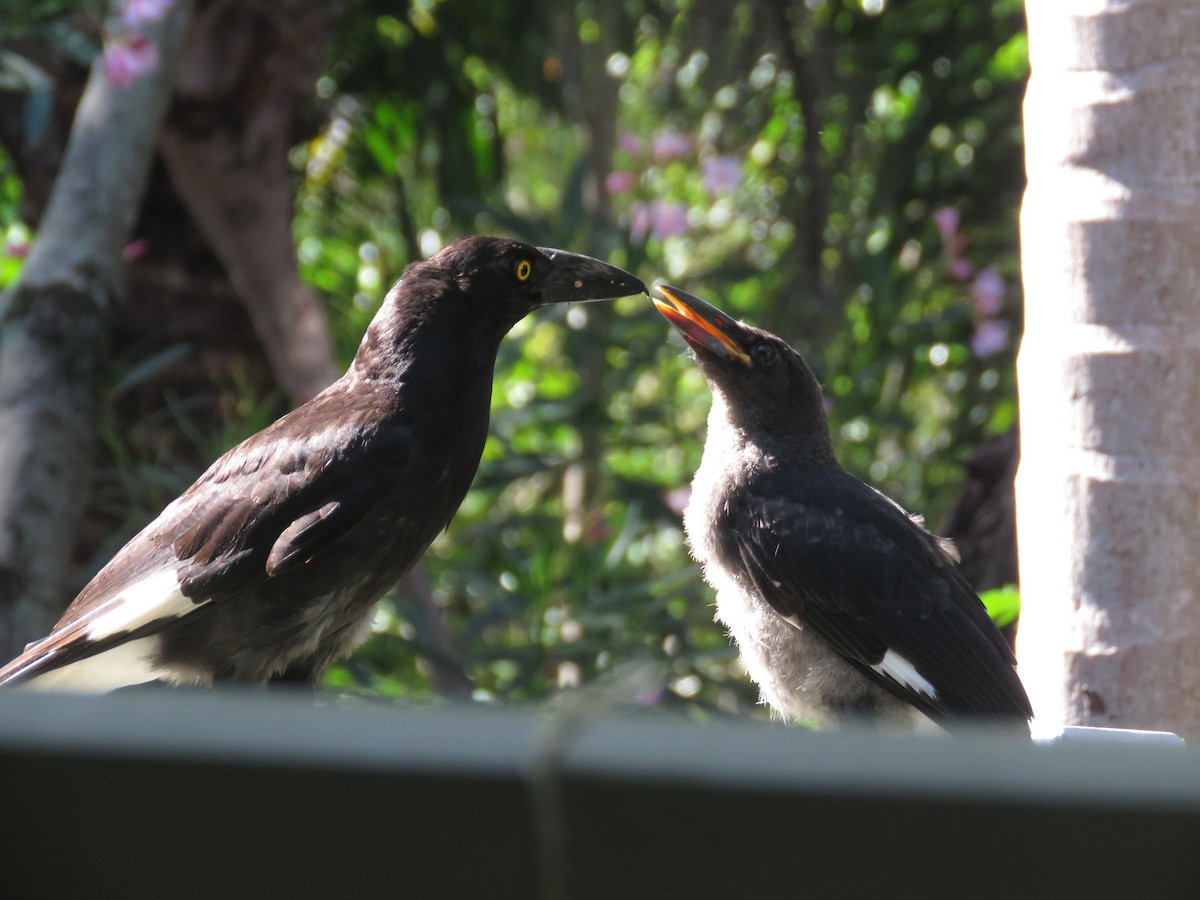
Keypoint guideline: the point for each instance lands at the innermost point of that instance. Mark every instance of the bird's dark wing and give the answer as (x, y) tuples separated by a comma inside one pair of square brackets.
[(266, 507), (831, 554)]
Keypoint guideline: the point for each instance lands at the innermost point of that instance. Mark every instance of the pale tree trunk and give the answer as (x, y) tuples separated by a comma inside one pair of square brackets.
[(53, 334), (1108, 493)]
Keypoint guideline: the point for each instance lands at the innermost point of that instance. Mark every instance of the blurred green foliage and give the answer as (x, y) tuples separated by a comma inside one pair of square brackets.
[(14, 235), (783, 160), (1003, 604), (846, 173)]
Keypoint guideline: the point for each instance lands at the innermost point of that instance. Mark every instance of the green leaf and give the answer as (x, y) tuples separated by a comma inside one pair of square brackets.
[(1003, 604), (1011, 62)]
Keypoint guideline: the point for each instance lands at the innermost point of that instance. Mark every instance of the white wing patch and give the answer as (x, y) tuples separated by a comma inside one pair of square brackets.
[(123, 665), (155, 597), (896, 667)]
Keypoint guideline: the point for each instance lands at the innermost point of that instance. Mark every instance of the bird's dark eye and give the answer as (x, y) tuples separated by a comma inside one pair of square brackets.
[(524, 270), (764, 354)]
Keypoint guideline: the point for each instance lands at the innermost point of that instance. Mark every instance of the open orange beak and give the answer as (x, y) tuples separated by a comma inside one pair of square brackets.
[(702, 325)]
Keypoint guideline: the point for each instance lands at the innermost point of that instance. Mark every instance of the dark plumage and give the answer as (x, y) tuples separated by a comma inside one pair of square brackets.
[(269, 566), (841, 604)]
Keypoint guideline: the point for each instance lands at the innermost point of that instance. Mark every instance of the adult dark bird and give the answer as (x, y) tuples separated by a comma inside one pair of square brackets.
[(269, 566), (842, 605)]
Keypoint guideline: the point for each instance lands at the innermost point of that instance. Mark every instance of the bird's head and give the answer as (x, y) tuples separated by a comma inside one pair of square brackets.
[(765, 386), (509, 278), (466, 297)]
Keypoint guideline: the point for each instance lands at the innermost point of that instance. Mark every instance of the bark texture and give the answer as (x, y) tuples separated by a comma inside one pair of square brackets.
[(53, 335), (247, 70), (1108, 492)]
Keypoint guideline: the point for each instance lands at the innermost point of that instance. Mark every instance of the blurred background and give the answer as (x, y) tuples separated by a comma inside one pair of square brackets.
[(846, 173)]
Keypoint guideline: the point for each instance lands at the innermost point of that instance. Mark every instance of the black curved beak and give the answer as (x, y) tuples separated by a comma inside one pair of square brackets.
[(575, 277), (702, 325)]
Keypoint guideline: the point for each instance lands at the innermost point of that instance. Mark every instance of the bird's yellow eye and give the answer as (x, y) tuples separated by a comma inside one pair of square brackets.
[(524, 270)]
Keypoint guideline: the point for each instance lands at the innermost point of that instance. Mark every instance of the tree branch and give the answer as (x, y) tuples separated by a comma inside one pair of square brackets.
[(232, 170), (53, 333)]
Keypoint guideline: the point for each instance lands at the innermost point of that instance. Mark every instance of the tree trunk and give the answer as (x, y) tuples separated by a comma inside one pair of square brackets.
[(1108, 491), (247, 72), (53, 334)]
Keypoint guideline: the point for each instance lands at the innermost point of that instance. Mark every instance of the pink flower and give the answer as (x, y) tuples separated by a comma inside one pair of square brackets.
[(990, 337), (619, 182), (670, 219), (135, 249), (961, 270), (16, 251), (125, 60), (657, 220), (639, 222), (629, 143), (722, 174), (987, 292), (945, 219), (670, 145), (140, 12), (677, 499)]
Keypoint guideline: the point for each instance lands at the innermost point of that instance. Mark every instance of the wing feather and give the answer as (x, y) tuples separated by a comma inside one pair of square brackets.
[(268, 505), (836, 556)]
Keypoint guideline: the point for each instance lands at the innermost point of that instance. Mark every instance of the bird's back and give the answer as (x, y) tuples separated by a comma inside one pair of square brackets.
[(818, 574), (271, 563)]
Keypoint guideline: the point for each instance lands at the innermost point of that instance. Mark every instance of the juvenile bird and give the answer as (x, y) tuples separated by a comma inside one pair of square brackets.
[(269, 567), (843, 606)]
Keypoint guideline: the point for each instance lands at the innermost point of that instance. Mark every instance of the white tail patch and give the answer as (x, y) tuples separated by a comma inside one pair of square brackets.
[(155, 597), (896, 667), (121, 666)]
